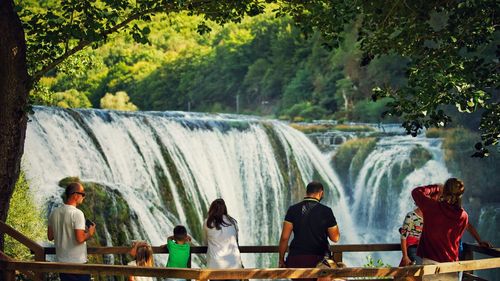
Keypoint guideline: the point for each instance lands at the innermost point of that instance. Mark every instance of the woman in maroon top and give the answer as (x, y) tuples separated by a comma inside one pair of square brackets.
[(445, 221)]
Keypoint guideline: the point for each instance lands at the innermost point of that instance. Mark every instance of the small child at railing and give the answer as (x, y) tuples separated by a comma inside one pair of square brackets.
[(178, 248), (143, 256)]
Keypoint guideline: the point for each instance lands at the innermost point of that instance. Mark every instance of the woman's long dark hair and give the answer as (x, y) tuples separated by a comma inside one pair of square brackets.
[(216, 214)]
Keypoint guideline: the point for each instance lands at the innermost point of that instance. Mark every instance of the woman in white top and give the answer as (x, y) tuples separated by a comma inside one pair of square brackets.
[(221, 231)]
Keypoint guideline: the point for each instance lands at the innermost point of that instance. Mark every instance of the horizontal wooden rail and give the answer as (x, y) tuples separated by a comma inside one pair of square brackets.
[(248, 273), (243, 249), (35, 248), (471, 277), (492, 252), (4, 257), (30, 244)]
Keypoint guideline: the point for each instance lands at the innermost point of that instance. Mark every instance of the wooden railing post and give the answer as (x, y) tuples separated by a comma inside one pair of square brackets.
[(9, 275), (6, 275), (39, 255), (337, 256), (467, 254)]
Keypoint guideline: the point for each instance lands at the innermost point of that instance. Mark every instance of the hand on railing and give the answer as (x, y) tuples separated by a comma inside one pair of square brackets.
[(485, 244), (281, 262)]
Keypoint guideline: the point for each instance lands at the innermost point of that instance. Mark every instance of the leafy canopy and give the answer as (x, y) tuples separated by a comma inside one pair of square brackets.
[(55, 30), (451, 47)]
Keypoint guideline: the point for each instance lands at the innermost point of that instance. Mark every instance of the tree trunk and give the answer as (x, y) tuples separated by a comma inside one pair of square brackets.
[(14, 87)]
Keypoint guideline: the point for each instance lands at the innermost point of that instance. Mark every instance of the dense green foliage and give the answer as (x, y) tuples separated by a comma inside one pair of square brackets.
[(118, 101), (422, 57), (451, 47), (25, 217), (264, 63)]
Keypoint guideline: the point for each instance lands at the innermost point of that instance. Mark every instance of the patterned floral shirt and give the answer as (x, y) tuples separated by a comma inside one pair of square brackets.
[(412, 228)]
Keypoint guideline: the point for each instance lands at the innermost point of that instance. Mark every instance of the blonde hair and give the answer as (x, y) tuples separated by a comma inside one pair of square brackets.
[(453, 190), (144, 256)]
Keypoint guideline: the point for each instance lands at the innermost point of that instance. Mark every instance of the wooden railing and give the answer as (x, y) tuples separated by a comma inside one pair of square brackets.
[(396, 273), (9, 266)]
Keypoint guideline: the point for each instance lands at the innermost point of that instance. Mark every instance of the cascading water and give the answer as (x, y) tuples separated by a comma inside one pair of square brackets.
[(167, 168), (381, 195)]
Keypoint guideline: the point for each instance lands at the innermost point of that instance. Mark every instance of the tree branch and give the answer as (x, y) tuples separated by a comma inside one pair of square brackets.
[(84, 43)]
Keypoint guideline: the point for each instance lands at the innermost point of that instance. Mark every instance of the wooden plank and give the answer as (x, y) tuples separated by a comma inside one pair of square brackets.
[(272, 273), (493, 252), (365, 247), (39, 256), (30, 275), (7, 275), (467, 254), (102, 269), (461, 266), (4, 257), (337, 257), (471, 277), (282, 273), (32, 245)]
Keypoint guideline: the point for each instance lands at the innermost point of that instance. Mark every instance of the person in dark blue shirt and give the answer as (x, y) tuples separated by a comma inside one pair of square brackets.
[(312, 223)]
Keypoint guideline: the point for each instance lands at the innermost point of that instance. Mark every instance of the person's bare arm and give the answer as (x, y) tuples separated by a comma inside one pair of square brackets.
[(404, 250), (82, 235), (131, 278), (285, 236), (472, 230), (50, 233), (334, 233)]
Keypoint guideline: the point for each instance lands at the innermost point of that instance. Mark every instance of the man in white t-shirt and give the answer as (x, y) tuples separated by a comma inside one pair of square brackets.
[(67, 228)]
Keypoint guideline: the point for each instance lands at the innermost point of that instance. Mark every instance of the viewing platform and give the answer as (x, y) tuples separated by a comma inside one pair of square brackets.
[(35, 270)]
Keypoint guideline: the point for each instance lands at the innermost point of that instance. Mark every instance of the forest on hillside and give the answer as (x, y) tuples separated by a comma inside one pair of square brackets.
[(263, 65)]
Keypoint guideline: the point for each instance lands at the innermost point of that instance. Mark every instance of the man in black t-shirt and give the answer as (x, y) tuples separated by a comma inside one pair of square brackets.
[(312, 223)]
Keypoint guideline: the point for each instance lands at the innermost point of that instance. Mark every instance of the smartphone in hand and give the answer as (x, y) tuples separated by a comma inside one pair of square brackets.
[(88, 223)]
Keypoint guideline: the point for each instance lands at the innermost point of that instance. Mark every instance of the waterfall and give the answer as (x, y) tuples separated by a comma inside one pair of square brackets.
[(167, 167), (381, 195), (488, 227)]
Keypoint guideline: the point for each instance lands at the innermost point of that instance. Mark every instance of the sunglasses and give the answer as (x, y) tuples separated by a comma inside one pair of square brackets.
[(81, 193)]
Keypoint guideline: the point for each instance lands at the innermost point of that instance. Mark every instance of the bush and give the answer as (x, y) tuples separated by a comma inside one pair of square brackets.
[(313, 113), (26, 218), (311, 128), (118, 101), (298, 119), (350, 157), (71, 99), (296, 109), (354, 128), (370, 111)]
